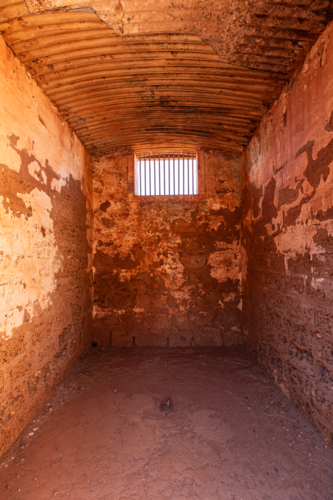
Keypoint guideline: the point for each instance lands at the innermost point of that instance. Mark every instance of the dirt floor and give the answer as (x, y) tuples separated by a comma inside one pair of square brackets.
[(232, 433)]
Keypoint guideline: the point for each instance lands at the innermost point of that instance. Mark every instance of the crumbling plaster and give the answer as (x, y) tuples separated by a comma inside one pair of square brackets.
[(167, 271), (171, 273), (287, 234), (45, 236)]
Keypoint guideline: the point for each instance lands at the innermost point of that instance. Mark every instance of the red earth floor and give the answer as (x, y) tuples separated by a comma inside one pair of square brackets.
[(232, 435)]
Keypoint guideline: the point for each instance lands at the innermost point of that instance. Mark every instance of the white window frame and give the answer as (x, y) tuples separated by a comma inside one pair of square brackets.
[(166, 174)]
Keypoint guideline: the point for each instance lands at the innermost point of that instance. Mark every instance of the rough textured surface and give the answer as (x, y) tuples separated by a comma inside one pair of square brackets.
[(143, 89), (127, 73), (261, 34), (167, 271), (45, 213), (288, 239), (233, 435)]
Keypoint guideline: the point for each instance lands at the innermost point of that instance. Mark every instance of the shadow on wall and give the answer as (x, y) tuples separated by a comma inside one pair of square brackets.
[(46, 286), (287, 236), (167, 272)]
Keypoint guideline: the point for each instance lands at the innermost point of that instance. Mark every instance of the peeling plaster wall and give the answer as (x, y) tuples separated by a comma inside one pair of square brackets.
[(45, 229), (167, 271), (287, 238)]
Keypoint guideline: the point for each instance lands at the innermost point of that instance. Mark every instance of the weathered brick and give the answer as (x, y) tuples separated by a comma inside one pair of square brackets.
[(102, 331), (22, 367), (194, 261), (120, 338), (181, 226), (10, 405), (181, 338), (299, 334), (151, 338), (201, 318), (12, 347), (207, 336), (232, 337), (323, 323), (151, 267)]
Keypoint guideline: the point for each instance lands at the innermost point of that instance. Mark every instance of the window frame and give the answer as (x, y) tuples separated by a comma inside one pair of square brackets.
[(165, 197)]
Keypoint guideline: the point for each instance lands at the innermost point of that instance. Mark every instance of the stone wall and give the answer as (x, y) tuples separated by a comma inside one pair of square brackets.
[(287, 237), (167, 271), (45, 214)]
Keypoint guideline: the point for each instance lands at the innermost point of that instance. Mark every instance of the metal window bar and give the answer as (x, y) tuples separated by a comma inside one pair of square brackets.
[(174, 174), (178, 165), (159, 174), (169, 174), (150, 177)]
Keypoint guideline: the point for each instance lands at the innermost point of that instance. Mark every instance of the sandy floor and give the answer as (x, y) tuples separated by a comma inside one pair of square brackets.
[(233, 435)]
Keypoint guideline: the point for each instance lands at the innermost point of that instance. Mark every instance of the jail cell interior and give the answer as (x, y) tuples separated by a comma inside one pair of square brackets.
[(166, 250)]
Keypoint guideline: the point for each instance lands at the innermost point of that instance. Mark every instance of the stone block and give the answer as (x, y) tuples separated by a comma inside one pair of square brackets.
[(297, 285), (21, 368), (182, 322), (301, 264), (273, 318), (191, 243), (134, 322), (102, 332), (122, 299), (11, 405), (11, 348), (194, 261), (154, 339), (47, 350), (232, 337), (323, 322), (228, 285), (207, 336), (162, 321), (272, 280), (299, 334), (228, 318), (259, 263), (60, 357), (181, 226), (322, 351), (120, 338), (300, 359), (65, 335), (320, 291), (201, 318), (75, 346), (181, 338), (323, 265), (39, 383), (295, 311)]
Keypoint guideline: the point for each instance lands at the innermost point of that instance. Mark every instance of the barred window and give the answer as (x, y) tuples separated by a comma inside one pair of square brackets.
[(166, 174)]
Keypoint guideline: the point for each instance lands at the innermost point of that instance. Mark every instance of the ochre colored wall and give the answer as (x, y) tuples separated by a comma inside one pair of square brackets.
[(45, 219), (167, 271), (287, 237)]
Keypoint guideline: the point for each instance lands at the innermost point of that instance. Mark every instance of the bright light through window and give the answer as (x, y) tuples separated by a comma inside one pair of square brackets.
[(166, 174)]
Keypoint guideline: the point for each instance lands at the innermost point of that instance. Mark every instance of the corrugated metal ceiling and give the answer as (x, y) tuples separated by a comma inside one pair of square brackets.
[(154, 88)]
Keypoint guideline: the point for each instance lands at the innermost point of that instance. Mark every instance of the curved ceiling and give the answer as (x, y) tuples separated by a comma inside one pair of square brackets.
[(147, 89)]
